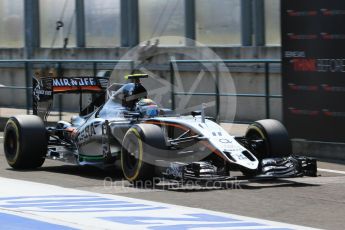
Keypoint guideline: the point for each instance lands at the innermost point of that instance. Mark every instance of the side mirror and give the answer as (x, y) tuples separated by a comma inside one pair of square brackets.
[(196, 113), (132, 115), (165, 112)]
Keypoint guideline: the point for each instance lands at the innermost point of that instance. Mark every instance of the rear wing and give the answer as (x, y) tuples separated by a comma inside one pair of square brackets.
[(78, 84), (44, 89)]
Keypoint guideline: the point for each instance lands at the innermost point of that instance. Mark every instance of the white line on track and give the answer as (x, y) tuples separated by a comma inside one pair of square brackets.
[(331, 171)]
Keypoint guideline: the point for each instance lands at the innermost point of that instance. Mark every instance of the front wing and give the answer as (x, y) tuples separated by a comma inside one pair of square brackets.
[(285, 167)]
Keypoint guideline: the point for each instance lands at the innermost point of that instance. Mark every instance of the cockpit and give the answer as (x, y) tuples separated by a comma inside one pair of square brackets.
[(130, 97)]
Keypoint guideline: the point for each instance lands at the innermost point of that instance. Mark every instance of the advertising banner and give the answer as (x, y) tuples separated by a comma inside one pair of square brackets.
[(313, 69)]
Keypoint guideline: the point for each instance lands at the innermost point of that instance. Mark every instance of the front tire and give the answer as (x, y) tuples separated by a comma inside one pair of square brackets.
[(140, 147), (275, 138), (25, 142)]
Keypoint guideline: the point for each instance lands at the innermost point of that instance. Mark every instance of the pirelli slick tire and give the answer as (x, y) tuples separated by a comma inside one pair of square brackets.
[(275, 136), (138, 150), (25, 142)]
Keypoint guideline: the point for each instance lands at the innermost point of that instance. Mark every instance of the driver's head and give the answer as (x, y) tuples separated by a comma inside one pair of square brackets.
[(147, 108)]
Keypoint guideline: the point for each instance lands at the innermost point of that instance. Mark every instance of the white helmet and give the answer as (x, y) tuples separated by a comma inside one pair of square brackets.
[(147, 108)]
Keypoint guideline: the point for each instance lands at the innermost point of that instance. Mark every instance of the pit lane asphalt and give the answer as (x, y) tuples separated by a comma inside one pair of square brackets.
[(315, 202)]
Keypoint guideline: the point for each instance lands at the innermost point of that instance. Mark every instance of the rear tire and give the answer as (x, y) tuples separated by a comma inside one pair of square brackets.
[(25, 142), (140, 147), (275, 136)]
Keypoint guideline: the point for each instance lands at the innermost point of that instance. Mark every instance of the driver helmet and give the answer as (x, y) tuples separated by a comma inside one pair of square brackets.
[(147, 108)]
